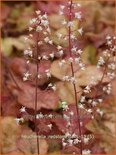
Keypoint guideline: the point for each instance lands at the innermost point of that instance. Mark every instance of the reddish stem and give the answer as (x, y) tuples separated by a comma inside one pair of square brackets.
[(36, 88), (73, 75)]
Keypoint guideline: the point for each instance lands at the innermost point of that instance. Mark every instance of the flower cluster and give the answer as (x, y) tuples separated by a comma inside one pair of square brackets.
[(106, 64), (107, 60)]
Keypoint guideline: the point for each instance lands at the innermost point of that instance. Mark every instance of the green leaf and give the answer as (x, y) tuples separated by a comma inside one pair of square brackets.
[(9, 42), (89, 54), (6, 47)]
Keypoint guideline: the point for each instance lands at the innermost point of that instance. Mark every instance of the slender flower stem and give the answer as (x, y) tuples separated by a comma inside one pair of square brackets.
[(73, 75), (104, 72), (36, 83)]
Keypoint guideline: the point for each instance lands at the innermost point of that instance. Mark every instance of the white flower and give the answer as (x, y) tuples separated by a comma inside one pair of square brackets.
[(104, 88), (74, 49), (50, 126), (26, 76), (50, 85), (94, 103), (54, 87), (51, 55), (112, 66), (90, 101), (81, 106), (66, 117), (67, 135), (82, 66), (48, 73), (59, 35), (30, 35), (111, 75), (39, 57), (46, 39), (80, 31), (38, 12), (61, 12), (92, 117), (64, 144), (50, 42), (101, 61), (64, 22), (40, 115), (86, 152), (70, 59), (100, 112), (70, 24), (79, 51), (66, 38), (39, 28), (76, 141), (62, 7), (27, 61), (22, 109), (81, 124), (48, 30), (60, 52), (82, 99), (79, 5), (45, 16), (72, 36), (107, 89), (45, 57), (18, 120), (59, 47), (68, 124), (65, 106), (77, 60), (62, 62), (30, 29), (40, 43), (71, 113), (25, 38), (78, 15), (65, 78), (39, 76), (70, 141), (45, 33), (74, 135), (33, 20), (89, 110), (28, 52), (87, 89), (108, 37), (72, 80), (76, 5), (109, 42), (100, 100), (44, 22), (50, 116)]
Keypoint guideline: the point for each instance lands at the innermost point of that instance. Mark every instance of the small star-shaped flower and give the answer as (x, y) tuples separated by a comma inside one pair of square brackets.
[(18, 120), (80, 31), (50, 126), (78, 15), (71, 113), (50, 116), (22, 109)]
